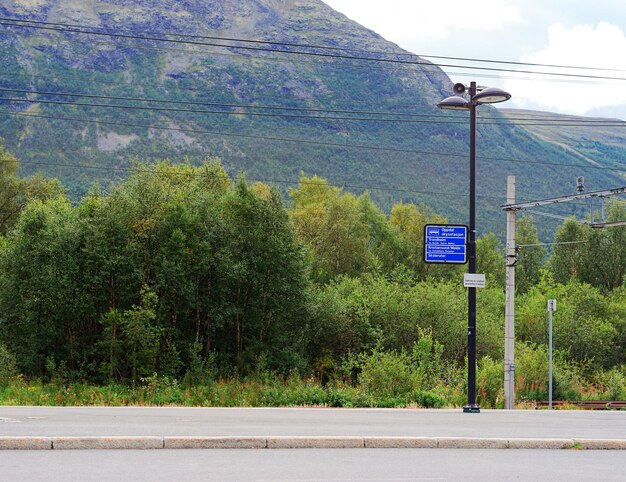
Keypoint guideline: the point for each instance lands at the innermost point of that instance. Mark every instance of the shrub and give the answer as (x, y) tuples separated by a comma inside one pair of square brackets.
[(531, 372), (490, 383), (613, 384), (426, 399), (8, 365), (386, 373), (427, 357)]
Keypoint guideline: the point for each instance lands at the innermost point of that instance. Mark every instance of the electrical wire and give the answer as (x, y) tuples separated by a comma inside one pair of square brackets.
[(341, 184), (216, 112), (298, 182), (220, 104), (547, 118), (504, 122), (424, 68), (324, 47), (320, 62), (570, 123), (84, 31), (307, 141)]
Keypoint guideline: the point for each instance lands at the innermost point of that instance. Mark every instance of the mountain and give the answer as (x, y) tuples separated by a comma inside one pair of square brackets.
[(597, 141), (424, 158)]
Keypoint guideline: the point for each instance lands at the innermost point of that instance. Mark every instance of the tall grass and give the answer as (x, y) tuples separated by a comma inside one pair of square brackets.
[(380, 379)]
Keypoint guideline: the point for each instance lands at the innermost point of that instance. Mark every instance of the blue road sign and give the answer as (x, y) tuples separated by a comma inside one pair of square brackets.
[(445, 243)]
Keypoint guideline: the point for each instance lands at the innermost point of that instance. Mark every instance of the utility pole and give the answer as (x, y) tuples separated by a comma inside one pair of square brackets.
[(509, 313)]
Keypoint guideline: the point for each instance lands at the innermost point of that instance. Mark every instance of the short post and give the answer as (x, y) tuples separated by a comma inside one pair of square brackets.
[(551, 309)]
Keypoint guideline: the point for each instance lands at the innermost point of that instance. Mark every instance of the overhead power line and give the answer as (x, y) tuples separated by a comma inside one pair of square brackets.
[(545, 118), (315, 46), (225, 105), (307, 141), (503, 121), (87, 31), (204, 53), (230, 134), (331, 183), (221, 104), (218, 112), (343, 66)]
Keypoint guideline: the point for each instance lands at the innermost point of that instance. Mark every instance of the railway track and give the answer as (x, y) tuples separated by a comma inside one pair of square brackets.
[(588, 404)]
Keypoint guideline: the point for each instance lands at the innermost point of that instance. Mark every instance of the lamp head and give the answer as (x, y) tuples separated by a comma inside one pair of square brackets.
[(453, 103), (491, 95)]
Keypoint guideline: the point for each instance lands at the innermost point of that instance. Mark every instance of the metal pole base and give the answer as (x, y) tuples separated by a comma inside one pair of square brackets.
[(471, 409)]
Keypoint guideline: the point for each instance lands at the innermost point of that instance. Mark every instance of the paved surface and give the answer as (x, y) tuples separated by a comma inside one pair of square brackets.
[(313, 465), (170, 421), (103, 427)]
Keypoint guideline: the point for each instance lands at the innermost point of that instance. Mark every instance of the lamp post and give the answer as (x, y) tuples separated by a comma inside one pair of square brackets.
[(477, 96)]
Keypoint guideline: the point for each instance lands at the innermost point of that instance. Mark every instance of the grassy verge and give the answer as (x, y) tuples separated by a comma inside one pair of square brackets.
[(163, 391)]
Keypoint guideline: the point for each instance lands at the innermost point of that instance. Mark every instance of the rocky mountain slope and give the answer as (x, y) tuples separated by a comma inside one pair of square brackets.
[(242, 90)]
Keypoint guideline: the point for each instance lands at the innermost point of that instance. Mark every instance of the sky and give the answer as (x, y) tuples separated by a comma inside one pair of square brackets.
[(573, 33)]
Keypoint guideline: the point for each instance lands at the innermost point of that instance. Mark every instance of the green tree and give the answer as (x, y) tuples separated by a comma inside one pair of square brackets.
[(567, 259), (131, 340), (605, 261), (490, 259), (530, 258), (330, 224), (410, 221), (227, 278), (45, 308), (269, 278), (601, 261), (16, 192), (385, 243), (584, 325)]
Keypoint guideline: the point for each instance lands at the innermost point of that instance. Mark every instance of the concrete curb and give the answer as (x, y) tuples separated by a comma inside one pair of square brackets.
[(401, 443), (106, 443), (472, 443), (303, 442), (315, 443), (25, 443), (214, 442), (542, 444)]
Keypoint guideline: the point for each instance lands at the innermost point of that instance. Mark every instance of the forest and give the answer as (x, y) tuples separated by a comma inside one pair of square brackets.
[(182, 285)]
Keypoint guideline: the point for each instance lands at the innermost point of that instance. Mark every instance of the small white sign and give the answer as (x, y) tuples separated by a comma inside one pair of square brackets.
[(551, 305), (472, 280)]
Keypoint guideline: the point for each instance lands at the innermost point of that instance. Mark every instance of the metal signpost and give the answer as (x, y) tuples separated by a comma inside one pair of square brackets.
[(551, 309), (445, 243), (477, 96)]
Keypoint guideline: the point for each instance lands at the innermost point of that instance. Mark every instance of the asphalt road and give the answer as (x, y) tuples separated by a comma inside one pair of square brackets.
[(346, 465), (169, 421)]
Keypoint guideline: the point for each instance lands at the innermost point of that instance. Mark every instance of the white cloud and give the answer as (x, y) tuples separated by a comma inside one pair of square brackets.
[(400, 20), (600, 46)]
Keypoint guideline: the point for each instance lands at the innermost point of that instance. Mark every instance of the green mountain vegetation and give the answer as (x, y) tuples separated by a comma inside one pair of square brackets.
[(597, 141), (422, 161), (181, 282)]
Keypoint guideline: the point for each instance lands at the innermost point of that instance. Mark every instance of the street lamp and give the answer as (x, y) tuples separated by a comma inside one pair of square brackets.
[(477, 96)]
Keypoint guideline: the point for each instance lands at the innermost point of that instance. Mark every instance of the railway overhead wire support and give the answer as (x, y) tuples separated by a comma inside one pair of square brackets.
[(511, 208)]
